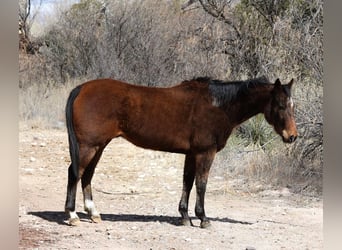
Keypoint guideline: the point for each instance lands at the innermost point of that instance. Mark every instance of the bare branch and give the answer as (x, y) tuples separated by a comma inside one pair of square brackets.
[(187, 4), (218, 12)]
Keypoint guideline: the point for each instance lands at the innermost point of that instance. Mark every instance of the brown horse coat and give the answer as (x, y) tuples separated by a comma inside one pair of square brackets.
[(172, 119), (195, 118)]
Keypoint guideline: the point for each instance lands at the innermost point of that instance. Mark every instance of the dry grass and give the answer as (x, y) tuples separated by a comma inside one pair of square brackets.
[(268, 161), (297, 166), (42, 105)]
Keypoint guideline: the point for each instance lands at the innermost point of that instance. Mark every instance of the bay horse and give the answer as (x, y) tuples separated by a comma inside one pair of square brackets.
[(194, 118)]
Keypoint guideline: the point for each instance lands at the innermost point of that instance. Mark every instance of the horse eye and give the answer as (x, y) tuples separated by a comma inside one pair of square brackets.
[(282, 106)]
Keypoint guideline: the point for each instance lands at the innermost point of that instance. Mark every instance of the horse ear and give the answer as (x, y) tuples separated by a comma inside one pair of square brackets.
[(277, 83), (291, 83)]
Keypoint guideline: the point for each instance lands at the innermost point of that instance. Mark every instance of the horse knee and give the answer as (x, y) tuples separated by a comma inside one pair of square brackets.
[(183, 206)]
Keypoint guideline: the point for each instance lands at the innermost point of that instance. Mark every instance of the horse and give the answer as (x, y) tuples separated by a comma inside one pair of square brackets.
[(194, 117)]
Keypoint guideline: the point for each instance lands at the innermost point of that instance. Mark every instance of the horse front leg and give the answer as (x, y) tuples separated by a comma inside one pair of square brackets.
[(188, 180), (201, 183), (203, 164)]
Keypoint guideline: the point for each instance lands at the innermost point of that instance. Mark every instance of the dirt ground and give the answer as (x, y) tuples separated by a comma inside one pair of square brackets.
[(137, 193)]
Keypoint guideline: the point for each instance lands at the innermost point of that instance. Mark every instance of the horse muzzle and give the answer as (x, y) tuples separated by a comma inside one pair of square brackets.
[(289, 137)]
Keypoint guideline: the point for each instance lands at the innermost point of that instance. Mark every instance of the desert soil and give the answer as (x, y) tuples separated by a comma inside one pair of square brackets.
[(137, 193)]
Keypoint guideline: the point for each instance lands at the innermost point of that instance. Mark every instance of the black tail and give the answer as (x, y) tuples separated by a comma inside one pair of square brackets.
[(73, 144)]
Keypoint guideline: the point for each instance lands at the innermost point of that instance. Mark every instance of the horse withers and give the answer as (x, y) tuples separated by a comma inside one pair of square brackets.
[(194, 118)]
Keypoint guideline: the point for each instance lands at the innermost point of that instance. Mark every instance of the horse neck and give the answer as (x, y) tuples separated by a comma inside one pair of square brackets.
[(253, 103)]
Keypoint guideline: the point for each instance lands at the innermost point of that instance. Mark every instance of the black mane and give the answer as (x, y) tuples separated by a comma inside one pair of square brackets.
[(226, 91)]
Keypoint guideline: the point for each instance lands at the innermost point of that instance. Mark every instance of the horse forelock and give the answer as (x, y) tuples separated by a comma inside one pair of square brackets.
[(287, 90)]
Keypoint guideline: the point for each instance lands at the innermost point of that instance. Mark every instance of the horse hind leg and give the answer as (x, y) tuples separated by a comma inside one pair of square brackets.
[(89, 205), (71, 197), (86, 154)]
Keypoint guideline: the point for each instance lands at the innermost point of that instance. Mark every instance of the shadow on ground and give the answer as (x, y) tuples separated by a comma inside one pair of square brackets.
[(61, 218)]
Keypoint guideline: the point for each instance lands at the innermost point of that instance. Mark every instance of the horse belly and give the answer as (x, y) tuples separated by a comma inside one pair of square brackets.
[(158, 132), (178, 147)]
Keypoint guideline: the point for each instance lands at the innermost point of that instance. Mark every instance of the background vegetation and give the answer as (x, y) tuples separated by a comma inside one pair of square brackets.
[(161, 43)]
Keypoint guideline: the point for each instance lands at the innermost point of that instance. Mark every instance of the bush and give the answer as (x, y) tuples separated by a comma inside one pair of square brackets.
[(43, 105), (257, 131), (157, 43)]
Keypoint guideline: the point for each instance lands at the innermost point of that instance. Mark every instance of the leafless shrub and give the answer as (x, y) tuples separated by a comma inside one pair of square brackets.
[(159, 43), (42, 105), (307, 154)]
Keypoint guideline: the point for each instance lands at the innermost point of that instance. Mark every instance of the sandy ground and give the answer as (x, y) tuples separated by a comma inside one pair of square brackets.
[(137, 193)]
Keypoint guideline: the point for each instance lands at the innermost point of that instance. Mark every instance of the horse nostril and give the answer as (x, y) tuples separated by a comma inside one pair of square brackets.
[(292, 138)]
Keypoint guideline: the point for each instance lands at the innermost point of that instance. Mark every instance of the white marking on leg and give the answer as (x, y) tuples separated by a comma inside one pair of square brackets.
[(73, 215), (89, 206), (73, 218)]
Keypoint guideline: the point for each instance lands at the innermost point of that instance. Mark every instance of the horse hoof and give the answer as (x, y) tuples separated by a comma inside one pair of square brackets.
[(205, 224), (186, 222), (96, 218), (74, 221)]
